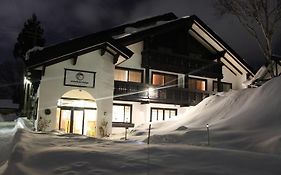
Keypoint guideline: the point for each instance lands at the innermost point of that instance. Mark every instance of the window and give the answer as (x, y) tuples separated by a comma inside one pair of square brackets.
[(225, 86), (161, 114), (122, 113), (161, 79), (128, 75), (197, 84)]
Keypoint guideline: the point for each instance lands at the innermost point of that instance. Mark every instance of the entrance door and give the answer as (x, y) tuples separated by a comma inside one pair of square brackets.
[(78, 121), (90, 122), (65, 119)]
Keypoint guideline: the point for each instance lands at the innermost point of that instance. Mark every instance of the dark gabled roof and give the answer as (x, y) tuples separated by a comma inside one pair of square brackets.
[(62, 51), (75, 47), (118, 37)]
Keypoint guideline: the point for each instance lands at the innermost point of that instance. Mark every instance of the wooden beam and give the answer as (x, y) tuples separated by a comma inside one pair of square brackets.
[(43, 70), (115, 58), (74, 60), (102, 51), (146, 76)]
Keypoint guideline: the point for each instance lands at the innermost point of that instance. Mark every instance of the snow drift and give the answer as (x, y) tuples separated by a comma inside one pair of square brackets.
[(69, 154), (248, 119)]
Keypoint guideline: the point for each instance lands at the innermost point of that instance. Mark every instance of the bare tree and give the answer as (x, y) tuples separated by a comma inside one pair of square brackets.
[(259, 17)]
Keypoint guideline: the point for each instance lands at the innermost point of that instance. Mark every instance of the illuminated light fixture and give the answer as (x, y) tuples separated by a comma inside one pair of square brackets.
[(151, 92)]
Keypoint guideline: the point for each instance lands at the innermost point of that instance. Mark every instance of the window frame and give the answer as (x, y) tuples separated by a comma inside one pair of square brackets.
[(128, 74), (163, 109), (223, 83), (161, 73), (201, 79), (124, 105)]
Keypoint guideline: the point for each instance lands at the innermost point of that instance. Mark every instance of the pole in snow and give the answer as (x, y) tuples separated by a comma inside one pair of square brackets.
[(208, 134), (126, 133), (149, 128)]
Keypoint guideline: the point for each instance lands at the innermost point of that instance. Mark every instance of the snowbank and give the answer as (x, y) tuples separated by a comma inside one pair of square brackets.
[(242, 120), (248, 119), (69, 154)]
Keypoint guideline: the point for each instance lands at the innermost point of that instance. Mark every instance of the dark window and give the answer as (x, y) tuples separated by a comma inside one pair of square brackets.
[(196, 84), (122, 113), (128, 75), (225, 86), (161, 79), (161, 114)]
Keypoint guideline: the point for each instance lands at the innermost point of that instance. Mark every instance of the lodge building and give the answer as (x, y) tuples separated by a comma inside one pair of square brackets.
[(146, 71)]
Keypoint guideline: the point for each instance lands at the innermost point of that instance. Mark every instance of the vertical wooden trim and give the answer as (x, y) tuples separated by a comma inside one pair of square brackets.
[(60, 119), (74, 60), (43, 70), (71, 121), (83, 121), (147, 76)]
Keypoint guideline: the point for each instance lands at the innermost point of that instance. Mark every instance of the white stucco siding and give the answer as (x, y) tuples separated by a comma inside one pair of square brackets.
[(229, 77), (236, 80), (52, 85), (135, 61), (141, 112)]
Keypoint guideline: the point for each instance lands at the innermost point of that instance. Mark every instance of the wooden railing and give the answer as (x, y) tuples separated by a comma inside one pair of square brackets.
[(146, 93), (178, 63)]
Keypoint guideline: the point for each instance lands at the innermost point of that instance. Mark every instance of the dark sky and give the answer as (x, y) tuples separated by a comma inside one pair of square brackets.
[(66, 19)]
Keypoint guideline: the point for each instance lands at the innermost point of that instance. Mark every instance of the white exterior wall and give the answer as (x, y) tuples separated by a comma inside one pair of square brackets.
[(135, 61), (52, 86), (236, 80), (141, 112)]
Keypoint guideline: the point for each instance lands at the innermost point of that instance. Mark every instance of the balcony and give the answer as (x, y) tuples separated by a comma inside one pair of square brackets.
[(178, 63), (144, 93)]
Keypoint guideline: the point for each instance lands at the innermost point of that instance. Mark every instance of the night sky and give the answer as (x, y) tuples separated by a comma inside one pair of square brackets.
[(66, 19)]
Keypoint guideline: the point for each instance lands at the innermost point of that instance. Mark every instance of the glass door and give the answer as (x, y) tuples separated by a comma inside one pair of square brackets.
[(77, 120), (90, 122), (78, 116), (65, 120)]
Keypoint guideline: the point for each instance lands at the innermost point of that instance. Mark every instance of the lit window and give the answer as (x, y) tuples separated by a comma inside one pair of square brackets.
[(197, 84), (161, 114), (161, 79), (135, 76), (225, 86), (120, 75), (122, 113), (128, 75)]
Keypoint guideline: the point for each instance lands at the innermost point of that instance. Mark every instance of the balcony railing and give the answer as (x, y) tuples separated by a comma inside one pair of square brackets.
[(147, 93), (178, 63)]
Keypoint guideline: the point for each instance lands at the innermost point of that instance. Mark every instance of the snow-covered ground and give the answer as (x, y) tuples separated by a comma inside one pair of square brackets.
[(245, 138), (248, 119)]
